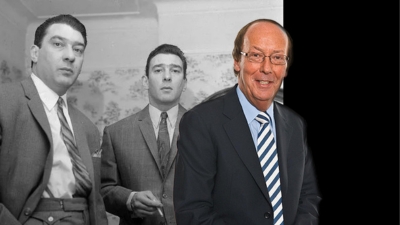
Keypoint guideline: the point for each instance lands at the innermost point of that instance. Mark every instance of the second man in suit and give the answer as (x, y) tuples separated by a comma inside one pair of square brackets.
[(137, 178)]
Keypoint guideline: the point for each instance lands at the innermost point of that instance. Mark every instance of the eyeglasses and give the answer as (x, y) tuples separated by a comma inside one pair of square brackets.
[(276, 58)]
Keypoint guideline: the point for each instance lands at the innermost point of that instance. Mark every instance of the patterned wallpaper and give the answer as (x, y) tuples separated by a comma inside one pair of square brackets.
[(109, 95), (9, 73)]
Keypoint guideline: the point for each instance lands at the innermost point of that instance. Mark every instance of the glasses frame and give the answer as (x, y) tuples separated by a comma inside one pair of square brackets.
[(265, 56)]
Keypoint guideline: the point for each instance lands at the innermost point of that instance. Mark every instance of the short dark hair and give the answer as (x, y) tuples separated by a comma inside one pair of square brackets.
[(238, 43), (68, 19), (167, 49)]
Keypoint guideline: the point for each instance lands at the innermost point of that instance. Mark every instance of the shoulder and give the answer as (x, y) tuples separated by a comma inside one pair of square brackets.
[(81, 117), (127, 121), (181, 108), (11, 90), (13, 97), (208, 112), (285, 109), (288, 114)]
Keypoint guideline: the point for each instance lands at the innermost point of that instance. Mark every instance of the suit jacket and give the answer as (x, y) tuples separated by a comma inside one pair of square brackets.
[(130, 162), (218, 176), (26, 153)]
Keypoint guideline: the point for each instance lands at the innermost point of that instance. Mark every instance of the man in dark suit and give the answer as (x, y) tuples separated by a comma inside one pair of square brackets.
[(38, 180), (219, 176), (137, 184)]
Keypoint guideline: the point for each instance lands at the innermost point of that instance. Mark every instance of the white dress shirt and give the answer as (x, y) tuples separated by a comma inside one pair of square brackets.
[(62, 180)]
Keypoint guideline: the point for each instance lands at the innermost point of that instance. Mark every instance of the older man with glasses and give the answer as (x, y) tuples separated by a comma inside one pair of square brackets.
[(243, 157)]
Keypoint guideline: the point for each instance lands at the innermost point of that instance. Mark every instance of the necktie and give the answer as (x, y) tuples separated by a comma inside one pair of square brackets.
[(163, 142), (266, 151), (83, 185)]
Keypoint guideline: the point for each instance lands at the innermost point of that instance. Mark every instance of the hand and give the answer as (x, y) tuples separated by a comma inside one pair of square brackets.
[(144, 204)]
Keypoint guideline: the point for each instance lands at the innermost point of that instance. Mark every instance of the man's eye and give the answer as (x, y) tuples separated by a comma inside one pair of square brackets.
[(176, 71), (57, 44), (79, 50), (257, 55), (278, 57)]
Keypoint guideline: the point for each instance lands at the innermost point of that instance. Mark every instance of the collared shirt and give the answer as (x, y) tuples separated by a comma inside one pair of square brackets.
[(62, 180), (251, 113), (155, 115)]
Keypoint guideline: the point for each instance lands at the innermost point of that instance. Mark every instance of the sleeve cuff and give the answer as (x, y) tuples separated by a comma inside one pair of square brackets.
[(128, 202)]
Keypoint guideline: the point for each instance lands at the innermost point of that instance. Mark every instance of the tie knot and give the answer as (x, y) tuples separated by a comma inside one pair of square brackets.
[(60, 102), (164, 115), (262, 118)]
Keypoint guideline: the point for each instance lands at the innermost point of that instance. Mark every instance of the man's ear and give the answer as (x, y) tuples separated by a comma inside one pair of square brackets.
[(236, 66), (184, 85), (145, 82), (34, 53)]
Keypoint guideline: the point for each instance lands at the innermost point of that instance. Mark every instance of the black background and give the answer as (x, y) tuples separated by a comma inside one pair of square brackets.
[(344, 81)]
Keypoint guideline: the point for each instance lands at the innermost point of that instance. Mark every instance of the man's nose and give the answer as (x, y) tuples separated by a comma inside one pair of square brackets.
[(167, 75), (265, 66), (69, 54)]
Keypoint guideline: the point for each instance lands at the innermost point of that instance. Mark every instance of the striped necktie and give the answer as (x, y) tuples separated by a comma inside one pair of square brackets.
[(83, 184), (163, 143), (266, 151)]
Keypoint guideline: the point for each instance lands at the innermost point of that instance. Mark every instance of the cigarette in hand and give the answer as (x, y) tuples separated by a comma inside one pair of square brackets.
[(159, 210)]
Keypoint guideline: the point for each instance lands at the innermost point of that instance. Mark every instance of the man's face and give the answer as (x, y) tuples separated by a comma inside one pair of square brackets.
[(260, 82), (166, 81), (59, 60)]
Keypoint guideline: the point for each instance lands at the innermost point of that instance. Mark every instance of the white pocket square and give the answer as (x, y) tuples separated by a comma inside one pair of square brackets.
[(97, 153)]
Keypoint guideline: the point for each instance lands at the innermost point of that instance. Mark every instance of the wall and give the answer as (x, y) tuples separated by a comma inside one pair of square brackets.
[(13, 24)]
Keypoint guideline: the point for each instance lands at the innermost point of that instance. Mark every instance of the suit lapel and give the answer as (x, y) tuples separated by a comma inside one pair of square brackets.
[(284, 133), (148, 133), (238, 132), (36, 106)]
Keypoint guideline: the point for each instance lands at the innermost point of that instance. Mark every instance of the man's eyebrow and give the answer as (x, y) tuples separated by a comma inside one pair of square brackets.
[(169, 65), (176, 65), (274, 51), (67, 40)]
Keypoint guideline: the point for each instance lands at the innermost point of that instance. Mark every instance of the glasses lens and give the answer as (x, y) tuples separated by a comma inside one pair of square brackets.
[(278, 59), (256, 57)]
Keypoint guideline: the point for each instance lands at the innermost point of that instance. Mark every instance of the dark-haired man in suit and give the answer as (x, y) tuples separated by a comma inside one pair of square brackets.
[(49, 151), (137, 177)]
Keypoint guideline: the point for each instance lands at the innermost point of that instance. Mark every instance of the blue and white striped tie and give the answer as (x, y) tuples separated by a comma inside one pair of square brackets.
[(266, 151)]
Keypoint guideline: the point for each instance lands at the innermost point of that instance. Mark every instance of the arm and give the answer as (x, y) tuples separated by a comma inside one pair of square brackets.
[(120, 200), (115, 196), (195, 170), (6, 217), (310, 198)]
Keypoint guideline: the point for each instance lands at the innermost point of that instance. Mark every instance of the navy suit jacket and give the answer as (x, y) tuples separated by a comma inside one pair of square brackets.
[(219, 179), (26, 153)]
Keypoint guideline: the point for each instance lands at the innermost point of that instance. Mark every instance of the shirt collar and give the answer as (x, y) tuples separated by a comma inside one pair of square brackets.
[(48, 96), (249, 110), (155, 115)]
